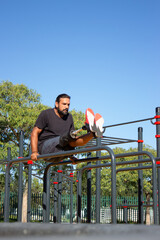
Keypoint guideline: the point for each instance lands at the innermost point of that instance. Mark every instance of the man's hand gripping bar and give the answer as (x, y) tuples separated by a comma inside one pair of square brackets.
[(73, 133)]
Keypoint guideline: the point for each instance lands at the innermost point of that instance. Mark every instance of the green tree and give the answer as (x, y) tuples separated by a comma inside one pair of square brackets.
[(19, 108)]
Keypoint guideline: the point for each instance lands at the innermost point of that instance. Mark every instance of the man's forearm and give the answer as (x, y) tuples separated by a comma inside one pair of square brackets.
[(34, 142)]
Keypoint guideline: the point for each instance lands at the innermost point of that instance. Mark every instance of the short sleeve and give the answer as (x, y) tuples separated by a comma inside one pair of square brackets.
[(72, 124), (41, 121)]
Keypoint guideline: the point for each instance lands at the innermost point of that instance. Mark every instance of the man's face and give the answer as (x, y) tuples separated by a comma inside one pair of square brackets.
[(63, 106)]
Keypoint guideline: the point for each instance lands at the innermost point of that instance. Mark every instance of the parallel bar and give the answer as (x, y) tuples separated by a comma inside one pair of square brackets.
[(145, 167), (120, 124)]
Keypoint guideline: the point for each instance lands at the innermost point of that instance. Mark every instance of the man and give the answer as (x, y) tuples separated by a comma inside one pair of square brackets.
[(51, 132)]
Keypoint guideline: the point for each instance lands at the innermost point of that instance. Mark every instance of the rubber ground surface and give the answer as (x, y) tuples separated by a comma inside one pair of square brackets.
[(48, 231)]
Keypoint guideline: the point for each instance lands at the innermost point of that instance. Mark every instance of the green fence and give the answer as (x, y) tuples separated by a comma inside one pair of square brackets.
[(105, 208)]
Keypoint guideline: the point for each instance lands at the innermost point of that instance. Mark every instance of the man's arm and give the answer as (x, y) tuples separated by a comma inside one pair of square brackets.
[(34, 142)]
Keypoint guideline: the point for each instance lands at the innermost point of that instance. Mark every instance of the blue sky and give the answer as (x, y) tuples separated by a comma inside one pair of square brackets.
[(104, 53)]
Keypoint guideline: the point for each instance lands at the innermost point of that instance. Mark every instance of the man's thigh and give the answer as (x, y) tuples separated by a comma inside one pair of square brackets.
[(51, 146)]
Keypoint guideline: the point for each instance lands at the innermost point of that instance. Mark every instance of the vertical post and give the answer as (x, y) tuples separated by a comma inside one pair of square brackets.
[(140, 177), (113, 186), (20, 179), (55, 199), (89, 193), (48, 196), (98, 184), (71, 199), (29, 189), (44, 195), (125, 212), (158, 153), (79, 196), (7, 187), (59, 194)]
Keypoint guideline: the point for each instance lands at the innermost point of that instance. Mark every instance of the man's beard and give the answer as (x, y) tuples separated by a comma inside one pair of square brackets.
[(63, 112)]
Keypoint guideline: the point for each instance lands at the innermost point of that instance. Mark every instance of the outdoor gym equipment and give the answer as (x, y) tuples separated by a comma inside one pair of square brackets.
[(100, 146)]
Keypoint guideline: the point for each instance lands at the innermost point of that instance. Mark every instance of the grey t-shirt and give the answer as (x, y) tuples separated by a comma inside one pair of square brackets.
[(52, 125)]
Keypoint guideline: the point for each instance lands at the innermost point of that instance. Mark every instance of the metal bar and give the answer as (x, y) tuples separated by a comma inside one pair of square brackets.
[(29, 189), (89, 192), (73, 133), (158, 155), (125, 123), (153, 174), (68, 153), (113, 174), (48, 197), (59, 194), (125, 212), (62, 154), (71, 199), (45, 197), (20, 179), (7, 187), (140, 178), (154, 184), (55, 200), (79, 196), (68, 178), (98, 184)]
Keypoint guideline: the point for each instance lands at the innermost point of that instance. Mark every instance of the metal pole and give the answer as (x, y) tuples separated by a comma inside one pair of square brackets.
[(113, 186), (59, 194), (140, 177), (20, 179), (125, 212), (44, 195), (7, 187), (158, 153), (71, 199), (55, 200), (88, 192), (29, 189), (48, 196), (98, 184), (79, 196)]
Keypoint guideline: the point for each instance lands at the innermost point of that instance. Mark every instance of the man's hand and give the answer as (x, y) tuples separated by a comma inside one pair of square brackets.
[(34, 156)]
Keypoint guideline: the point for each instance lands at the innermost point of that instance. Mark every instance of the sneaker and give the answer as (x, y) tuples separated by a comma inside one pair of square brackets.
[(90, 123), (99, 121)]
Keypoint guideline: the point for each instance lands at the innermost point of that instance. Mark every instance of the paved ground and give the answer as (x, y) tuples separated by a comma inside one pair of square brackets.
[(48, 231)]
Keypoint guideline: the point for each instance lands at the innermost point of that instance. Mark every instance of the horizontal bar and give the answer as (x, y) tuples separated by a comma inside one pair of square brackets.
[(125, 123), (61, 154)]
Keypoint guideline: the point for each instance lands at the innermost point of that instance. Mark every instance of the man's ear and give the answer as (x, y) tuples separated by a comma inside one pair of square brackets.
[(56, 104)]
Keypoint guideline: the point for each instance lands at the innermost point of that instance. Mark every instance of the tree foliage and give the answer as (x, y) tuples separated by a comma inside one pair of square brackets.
[(19, 109)]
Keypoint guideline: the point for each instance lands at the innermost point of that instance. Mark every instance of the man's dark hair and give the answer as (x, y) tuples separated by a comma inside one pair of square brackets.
[(63, 95)]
